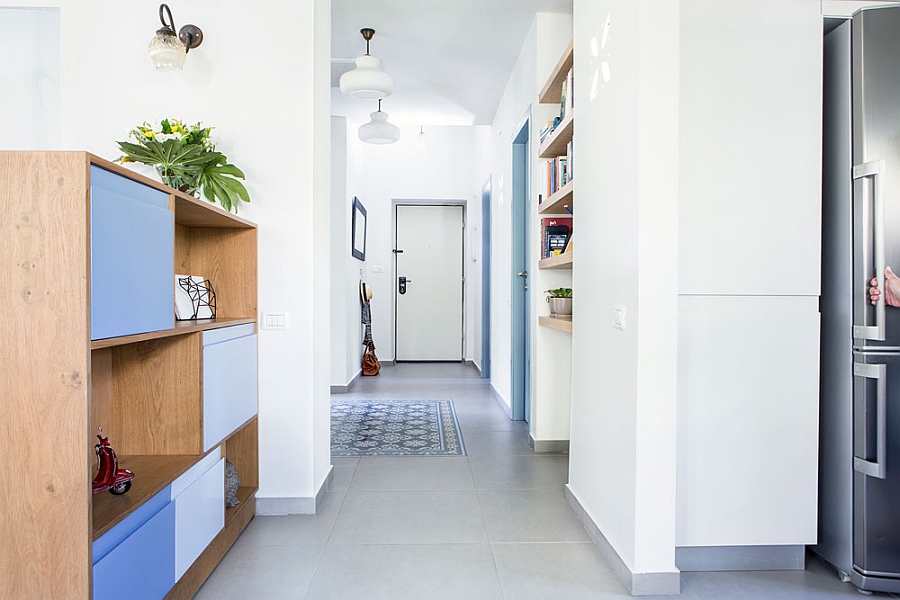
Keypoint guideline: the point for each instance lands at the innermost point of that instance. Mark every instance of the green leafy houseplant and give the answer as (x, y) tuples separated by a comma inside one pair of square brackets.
[(186, 159), (560, 293)]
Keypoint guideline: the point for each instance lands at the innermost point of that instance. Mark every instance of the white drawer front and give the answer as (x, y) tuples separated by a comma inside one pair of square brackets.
[(229, 387), (199, 516)]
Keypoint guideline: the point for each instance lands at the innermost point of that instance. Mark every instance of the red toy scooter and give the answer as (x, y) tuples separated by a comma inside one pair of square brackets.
[(110, 476)]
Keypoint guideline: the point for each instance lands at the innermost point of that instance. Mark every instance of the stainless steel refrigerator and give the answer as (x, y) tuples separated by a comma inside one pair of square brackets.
[(859, 474)]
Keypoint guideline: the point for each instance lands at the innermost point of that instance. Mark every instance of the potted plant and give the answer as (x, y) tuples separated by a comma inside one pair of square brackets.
[(186, 159), (560, 301)]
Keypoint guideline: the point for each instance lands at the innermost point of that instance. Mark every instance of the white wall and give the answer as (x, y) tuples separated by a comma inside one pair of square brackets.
[(29, 38), (442, 166), (346, 332), (257, 95), (549, 35), (622, 461)]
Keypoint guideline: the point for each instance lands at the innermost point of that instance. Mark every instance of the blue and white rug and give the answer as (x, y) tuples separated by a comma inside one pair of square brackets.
[(395, 428)]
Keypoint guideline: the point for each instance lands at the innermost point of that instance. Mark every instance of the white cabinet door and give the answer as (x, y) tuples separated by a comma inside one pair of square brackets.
[(750, 147), (199, 497), (748, 397)]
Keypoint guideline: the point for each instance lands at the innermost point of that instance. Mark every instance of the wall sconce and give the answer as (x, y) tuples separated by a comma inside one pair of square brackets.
[(168, 51)]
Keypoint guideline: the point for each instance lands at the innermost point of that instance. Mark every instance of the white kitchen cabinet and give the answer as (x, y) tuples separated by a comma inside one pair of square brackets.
[(747, 421)]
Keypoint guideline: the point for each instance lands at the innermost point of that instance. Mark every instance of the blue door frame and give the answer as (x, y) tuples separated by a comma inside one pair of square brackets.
[(520, 408), (486, 280)]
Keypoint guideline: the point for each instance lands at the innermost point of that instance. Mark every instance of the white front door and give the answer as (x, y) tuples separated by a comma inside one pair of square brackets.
[(429, 283)]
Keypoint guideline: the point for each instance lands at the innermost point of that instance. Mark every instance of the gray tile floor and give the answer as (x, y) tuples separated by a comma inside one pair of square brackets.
[(493, 524)]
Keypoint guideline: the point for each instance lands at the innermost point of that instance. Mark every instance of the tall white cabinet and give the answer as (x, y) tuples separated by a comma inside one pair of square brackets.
[(749, 272)]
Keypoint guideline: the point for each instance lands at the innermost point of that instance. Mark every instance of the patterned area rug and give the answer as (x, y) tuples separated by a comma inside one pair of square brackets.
[(395, 428)]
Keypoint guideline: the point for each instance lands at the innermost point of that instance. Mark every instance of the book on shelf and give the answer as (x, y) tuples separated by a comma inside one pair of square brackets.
[(554, 235), (556, 174), (566, 102)]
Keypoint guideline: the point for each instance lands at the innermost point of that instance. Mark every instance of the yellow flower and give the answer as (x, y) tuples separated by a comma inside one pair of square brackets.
[(149, 134)]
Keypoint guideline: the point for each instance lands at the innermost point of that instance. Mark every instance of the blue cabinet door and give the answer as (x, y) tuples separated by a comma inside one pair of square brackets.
[(229, 381), (132, 257), (142, 566)]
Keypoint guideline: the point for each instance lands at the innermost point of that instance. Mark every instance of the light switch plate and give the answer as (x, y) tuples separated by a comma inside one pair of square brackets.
[(275, 321), (619, 317), (378, 268)]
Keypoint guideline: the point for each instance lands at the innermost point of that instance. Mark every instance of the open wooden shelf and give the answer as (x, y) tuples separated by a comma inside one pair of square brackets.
[(556, 204), (151, 474), (555, 144), (560, 261), (552, 90), (554, 323), (181, 328), (244, 493)]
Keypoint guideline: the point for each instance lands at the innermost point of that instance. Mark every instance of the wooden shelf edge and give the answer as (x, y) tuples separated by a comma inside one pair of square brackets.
[(181, 328), (556, 203), (244, 494), (151, 475), (555, 144), (189, 211), (551, 93), (553, 323), (560, 261)]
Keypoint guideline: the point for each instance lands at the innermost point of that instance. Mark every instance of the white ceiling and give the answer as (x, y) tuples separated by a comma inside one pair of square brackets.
[(451, 59)]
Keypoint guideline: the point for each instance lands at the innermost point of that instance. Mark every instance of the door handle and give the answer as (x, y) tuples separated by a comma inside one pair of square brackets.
[(523, 274), (876, 468), (402, 284), (866, 176)]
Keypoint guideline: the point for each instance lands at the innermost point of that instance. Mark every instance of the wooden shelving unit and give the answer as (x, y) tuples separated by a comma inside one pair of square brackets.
[(144, 390), (555, 323), (551, 92), (556, 204), (560, 261), (555, 144)]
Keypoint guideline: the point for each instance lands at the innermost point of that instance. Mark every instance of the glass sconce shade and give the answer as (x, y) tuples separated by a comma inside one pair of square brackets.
[(378, 130), (367, 81), (166, 51)]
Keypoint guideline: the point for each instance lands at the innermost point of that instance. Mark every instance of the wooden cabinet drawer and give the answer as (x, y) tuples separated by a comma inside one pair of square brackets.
[(132, 257), (199, 497), (136, 559), (229, 381)]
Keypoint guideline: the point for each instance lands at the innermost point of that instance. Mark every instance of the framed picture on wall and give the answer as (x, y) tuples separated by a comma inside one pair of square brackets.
[(358, 249)]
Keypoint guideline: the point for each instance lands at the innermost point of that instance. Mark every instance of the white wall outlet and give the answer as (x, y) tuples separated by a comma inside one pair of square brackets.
[(619, 317), (378, 268), (275, 321)]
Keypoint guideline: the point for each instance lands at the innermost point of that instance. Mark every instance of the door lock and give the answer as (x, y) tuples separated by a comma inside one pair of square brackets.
[(402, 286)]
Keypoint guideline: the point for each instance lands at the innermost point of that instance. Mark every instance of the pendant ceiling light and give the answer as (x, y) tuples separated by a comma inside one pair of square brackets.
[(168, 50), (378, 130), (367, 81)]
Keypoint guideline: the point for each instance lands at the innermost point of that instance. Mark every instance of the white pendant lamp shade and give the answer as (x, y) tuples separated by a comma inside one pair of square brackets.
[(167, 52), (367, 81), (378, 130)]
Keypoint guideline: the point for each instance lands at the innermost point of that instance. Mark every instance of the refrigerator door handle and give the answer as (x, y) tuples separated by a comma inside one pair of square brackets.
[(865, 175), (876, 468)]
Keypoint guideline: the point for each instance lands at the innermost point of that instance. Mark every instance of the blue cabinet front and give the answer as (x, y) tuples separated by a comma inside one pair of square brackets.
[(142, 566), (132, 257)]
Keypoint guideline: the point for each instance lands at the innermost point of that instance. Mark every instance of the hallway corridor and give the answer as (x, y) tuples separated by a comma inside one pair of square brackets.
[(492, 524)]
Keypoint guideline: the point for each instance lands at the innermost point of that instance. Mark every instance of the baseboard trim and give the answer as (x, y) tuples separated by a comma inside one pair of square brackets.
[(741, 558), (295, 506), (639, 584), (477, 368), (345, 389), (548, 446), (496, 396)]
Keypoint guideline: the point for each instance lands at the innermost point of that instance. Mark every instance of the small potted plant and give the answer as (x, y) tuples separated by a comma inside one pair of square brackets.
[(560, 301)]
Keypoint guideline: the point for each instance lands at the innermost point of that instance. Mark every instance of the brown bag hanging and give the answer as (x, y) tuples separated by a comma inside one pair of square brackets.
[(370, 364)]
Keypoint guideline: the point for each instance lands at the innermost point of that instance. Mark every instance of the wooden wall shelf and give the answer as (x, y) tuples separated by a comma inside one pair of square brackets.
[(552, 90), (181, 328), (555, 144), (556, 204), (554, 323), (560, 261)]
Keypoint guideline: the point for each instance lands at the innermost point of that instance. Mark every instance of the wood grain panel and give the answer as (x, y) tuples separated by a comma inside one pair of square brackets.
[(235, 523), (103, 392), (227, 257), (181, 328), (242, 449), (151, 474), (44, 334), (157, 396)]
